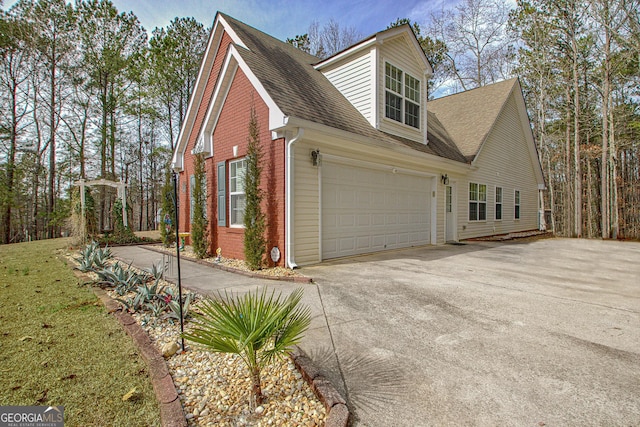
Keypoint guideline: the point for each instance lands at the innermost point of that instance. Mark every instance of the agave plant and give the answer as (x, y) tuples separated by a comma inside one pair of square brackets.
[(256, 326), (156, 271), (171, 299), (101, 256), (123, 280), (92, 257), (148, 293)]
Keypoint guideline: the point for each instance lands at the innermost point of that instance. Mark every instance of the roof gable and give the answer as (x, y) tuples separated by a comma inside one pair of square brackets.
[(469, 116), (403, 31)]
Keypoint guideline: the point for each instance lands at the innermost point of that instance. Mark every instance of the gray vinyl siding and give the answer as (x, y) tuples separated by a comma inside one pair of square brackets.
[(306, 206), (399, 53), (504, 161), (354, 80)]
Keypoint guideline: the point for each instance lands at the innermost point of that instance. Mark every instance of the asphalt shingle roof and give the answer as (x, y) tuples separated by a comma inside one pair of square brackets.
[(301, 91), (469, 116)]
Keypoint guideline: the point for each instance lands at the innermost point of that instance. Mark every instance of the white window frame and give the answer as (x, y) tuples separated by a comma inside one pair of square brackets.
[(412, 97), (516, 204), (236, 192), (404, 89), (476, 200), (498, 202)]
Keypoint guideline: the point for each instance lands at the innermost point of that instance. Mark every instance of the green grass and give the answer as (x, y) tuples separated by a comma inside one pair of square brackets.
[(58, 346)]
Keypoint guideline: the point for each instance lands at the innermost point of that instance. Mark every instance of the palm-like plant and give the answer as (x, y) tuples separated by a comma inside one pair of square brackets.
[(256, 326)]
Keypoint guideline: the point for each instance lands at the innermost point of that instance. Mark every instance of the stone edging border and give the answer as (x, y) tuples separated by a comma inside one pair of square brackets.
[(295, 279), (334, 403)]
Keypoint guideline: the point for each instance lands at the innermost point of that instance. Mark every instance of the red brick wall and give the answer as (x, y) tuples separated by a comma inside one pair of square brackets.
[(183, 191), (232, 130)]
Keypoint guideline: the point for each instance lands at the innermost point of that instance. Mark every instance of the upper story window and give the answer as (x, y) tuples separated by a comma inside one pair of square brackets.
[(402, 96)]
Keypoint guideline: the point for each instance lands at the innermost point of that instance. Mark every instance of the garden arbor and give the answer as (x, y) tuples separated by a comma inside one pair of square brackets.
[(121, 188)]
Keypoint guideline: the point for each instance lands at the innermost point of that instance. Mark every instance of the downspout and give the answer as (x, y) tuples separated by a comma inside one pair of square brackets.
[(289, 199)]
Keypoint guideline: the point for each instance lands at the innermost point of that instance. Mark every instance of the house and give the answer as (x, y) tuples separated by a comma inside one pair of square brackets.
[(355, 158)]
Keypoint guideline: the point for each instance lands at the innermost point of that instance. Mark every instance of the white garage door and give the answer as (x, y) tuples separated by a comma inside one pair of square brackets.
[(367, 210)]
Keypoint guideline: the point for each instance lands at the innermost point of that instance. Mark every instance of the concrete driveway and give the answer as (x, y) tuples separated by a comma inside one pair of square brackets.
[(534, 333)]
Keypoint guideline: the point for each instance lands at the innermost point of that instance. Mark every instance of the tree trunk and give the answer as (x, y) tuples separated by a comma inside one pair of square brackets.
[(552, 204), (256, 387), (52, 146), (568, 195), (11, 161), (103, 147), (615, 222), (576, 144), (604, 162), (590, 230)]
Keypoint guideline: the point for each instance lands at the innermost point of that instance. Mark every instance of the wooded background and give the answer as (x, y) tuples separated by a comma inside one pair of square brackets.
[(86, 93)]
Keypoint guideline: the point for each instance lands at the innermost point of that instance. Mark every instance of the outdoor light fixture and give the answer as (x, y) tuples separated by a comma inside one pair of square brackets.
[(445, 179), (315, 157)]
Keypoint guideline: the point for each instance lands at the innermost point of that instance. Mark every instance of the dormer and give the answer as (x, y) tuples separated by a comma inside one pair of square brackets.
[(385, 77)]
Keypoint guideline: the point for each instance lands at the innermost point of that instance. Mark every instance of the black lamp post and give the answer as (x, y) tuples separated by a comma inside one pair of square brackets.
[(175, 204)]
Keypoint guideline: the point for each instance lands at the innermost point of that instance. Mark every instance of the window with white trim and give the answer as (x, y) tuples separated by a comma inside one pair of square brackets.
[(237, 202), (516, 199), (498, 203), (477, 202), (402, 96), (412, 101)]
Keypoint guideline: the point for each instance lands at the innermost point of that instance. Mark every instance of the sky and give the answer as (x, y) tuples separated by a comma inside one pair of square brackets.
[(282, 18)]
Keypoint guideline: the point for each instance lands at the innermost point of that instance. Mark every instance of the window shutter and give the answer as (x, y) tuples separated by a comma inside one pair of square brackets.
[(222, 196), (192, 185)]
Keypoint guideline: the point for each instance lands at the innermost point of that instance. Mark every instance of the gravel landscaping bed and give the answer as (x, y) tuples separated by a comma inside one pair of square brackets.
[(215, 388), (231, 263)]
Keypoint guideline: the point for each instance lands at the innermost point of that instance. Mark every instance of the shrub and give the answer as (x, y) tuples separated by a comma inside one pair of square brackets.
[(199, 220), (254, 220), (167, 221), (255, 326)]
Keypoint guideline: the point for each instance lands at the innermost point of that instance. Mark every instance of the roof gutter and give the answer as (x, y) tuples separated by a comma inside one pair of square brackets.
[(289, 220), (313, 129)]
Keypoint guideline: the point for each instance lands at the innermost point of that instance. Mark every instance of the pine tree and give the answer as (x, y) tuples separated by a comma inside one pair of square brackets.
[(254, 219), (199, 221)]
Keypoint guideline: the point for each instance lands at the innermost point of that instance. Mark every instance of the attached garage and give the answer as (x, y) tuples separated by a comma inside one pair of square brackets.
[(372, 209)]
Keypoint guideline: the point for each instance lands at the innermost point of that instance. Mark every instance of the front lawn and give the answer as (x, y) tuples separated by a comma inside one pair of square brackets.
[(58, 346)]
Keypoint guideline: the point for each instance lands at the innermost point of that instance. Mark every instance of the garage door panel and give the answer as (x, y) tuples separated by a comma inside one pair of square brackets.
[(378, 242), (364, 220), (403, 238), (366, 210), (346, 220), (347, 244), (378, 219), (363, 243), (363, 197), (329, 221)]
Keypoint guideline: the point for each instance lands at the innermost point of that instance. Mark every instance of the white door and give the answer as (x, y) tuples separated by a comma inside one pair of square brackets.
[(450, 217), (367, 210)]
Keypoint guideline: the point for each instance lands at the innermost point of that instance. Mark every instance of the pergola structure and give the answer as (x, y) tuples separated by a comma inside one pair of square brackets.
[(121, 188)]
